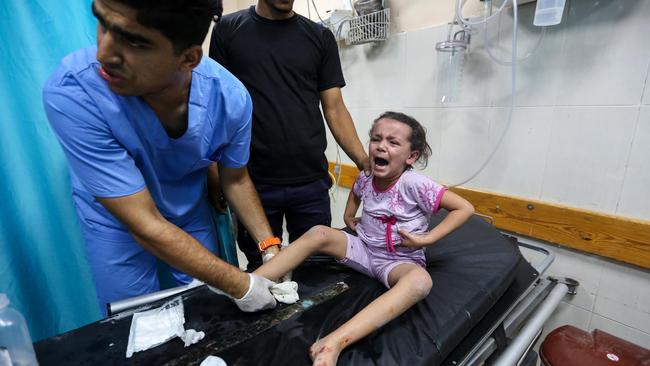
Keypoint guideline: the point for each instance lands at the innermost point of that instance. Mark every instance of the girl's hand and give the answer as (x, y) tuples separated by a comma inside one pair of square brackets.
[(413, 240), (352, 222)]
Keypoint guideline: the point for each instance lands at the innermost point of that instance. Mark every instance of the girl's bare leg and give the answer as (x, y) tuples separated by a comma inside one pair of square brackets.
[(409, 284), (319, 238)]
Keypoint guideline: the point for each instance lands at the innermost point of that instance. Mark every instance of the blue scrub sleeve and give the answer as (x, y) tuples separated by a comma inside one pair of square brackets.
[(236, 152), (99, 162)]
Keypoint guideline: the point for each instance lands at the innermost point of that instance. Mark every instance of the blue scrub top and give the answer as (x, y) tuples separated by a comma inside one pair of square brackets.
[(115, 145)]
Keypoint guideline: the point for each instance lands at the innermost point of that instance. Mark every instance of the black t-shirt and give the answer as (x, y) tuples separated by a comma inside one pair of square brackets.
[(284, 65)]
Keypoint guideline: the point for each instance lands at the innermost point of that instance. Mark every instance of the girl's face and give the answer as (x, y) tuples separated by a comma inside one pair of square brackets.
[(390, 150)]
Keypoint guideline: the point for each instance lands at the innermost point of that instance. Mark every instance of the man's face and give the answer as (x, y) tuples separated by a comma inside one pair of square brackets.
[(281, 6), (135, 60)]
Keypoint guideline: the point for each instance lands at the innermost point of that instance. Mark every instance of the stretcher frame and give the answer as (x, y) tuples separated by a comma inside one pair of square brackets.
[(522, 323), (505, 316)]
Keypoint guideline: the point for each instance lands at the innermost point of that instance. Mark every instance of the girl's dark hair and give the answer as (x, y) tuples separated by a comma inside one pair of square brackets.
[(184, 22), (418, 135)]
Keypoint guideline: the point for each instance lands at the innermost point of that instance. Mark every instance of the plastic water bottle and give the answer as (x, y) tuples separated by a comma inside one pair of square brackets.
[(15, 343)]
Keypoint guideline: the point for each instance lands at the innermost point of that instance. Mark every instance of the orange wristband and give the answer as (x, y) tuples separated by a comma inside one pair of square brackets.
[(268, 242)]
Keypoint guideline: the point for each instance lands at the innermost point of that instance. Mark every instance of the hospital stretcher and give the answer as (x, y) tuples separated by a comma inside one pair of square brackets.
[(487, 304)]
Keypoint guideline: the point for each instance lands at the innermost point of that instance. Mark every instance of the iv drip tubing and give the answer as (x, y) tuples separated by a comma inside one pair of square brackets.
[(316, 9), (459, 13), (508, 63), (513, 83)]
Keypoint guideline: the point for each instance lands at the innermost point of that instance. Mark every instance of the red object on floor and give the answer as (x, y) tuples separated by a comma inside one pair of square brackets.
[(570, 346)]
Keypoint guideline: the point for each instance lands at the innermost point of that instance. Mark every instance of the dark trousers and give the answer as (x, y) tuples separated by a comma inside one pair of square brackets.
[(302, 206)]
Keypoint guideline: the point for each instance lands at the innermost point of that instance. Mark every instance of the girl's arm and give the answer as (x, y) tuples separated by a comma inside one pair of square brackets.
[(459, 211), (351, 208)]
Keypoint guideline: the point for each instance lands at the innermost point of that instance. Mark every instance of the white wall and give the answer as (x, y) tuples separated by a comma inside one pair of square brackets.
[(611, 297), (580, 135), (406, 15), (581, 130)]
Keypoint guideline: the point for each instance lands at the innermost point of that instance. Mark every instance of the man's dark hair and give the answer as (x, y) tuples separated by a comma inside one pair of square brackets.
[(418, 134), (184, 22)]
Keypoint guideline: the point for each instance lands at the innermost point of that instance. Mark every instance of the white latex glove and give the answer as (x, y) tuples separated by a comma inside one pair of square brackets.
[(258, 297), (267, 257)]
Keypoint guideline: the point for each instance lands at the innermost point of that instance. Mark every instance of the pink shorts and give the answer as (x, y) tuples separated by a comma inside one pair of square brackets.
[(376, 263)]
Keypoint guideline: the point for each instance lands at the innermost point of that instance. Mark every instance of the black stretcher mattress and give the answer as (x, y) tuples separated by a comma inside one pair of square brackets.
[(471, 269)]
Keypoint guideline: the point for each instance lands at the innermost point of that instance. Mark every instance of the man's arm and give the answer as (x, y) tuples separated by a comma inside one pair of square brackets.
[(168, 242), (242, 197), (340, 124)]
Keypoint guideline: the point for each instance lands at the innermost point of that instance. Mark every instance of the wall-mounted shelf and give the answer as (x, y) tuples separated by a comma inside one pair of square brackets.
[(373, 27)]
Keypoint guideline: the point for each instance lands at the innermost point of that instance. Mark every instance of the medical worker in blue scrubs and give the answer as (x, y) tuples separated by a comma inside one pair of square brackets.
[(143, 119)]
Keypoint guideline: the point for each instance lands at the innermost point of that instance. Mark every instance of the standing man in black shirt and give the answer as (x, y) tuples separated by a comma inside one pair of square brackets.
[(289, 65)]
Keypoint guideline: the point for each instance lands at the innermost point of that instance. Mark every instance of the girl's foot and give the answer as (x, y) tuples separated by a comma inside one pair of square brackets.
[(325, 352)]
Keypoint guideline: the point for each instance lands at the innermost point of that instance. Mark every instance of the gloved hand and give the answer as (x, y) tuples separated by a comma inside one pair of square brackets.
[(267, 256), (258, 297)]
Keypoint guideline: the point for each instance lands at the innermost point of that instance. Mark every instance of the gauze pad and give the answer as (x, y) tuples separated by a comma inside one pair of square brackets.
[(156, 326)]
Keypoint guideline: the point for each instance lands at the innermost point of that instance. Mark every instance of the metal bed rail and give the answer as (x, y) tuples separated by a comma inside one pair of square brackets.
[(134, 303), (540, 300), (522, 342)]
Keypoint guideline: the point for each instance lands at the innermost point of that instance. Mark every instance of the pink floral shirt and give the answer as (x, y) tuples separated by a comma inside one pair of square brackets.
[(408, 204)]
